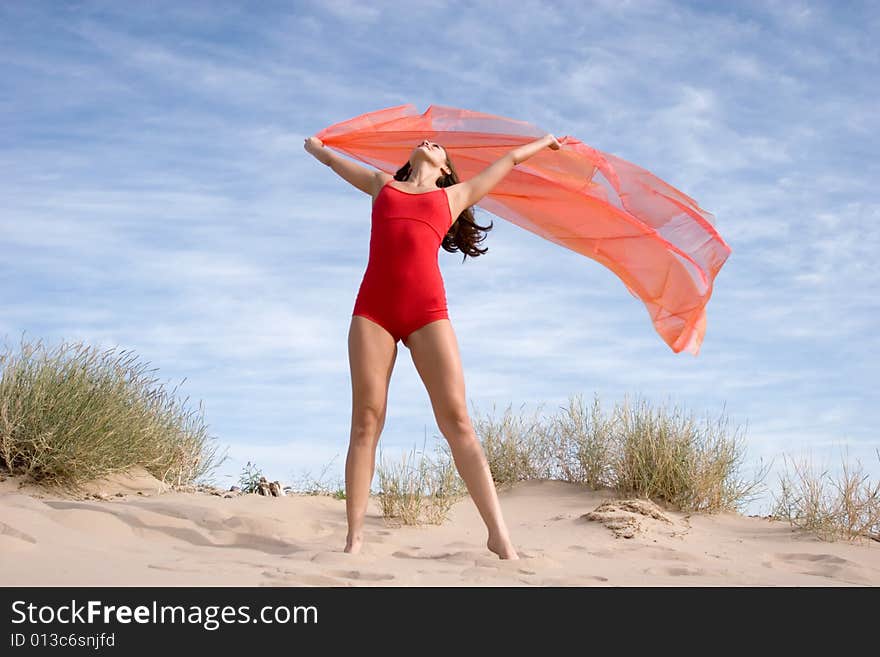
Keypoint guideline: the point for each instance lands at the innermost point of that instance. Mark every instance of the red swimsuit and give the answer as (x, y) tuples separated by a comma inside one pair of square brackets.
[(402, 289)]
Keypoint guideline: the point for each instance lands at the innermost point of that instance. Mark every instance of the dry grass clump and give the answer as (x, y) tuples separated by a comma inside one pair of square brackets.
[(665, 456), (581, 446), (73, 414), (309, 485), (419, 489), (515, 447), (635, 452), (843, 506)]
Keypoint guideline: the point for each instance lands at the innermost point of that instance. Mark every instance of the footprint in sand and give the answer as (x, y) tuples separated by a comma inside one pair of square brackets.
[(676, 571), (174, 568), (820, 559), (297, 578), (340, 558), (455, 556), (662, 553), (575, 580), (411, 553), (482, 573), (820, 565), (533, 561), (315, 580), (362, 575)]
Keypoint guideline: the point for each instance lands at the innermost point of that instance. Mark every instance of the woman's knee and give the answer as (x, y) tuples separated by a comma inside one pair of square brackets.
[(366, 422), (457, 427)]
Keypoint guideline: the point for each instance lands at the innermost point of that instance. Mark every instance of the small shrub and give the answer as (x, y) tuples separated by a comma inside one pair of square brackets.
[(249, 478)]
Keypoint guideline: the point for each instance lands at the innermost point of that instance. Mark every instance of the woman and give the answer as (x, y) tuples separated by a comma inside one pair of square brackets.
[(402, 298)]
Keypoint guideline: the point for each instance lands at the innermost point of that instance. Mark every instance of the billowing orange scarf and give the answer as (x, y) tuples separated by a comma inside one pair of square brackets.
[(657, 240)]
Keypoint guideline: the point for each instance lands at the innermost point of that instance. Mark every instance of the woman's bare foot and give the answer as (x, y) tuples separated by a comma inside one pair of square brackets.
[(502, 547), (353, 544)]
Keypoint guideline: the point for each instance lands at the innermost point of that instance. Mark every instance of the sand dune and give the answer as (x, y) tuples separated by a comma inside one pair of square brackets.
[(138, 533)]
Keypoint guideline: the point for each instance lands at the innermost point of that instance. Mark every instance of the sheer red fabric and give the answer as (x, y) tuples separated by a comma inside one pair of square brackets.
[(656, 239)]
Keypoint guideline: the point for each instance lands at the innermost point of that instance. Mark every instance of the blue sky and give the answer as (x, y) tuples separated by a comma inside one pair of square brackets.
[(156, 197)]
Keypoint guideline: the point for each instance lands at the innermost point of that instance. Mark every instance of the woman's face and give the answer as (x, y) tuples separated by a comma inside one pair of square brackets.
[(430, 151)]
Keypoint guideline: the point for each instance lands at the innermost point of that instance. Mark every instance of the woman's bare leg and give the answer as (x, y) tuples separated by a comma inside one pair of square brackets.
[(371, 355), (435, 354)]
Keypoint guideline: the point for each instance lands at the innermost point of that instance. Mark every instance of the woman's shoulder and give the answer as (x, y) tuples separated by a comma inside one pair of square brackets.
[(384, 177), (379, 182)]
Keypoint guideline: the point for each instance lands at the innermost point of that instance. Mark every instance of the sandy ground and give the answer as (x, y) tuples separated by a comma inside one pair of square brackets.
[(132, 531)]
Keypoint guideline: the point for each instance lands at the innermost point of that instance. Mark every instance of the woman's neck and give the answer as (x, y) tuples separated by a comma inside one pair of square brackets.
[(422, 177)]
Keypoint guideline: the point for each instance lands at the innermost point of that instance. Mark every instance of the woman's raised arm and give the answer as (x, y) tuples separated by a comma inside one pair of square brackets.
[(366, 180), (473, 189)]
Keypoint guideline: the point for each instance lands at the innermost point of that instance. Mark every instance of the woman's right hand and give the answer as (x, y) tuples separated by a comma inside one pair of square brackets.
[(313, 145)]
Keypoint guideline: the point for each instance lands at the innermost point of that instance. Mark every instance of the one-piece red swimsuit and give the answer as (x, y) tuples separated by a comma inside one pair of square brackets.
[(402, 289)]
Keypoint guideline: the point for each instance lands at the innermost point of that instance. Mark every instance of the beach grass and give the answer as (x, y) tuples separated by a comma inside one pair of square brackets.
[(665, 455), (833, 506), (659, 454), (515, 446), (635, 451), (419, 488), (74, 413), (308, 484)]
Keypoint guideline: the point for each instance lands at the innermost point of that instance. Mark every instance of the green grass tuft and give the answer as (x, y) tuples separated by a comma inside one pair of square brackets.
[(73, 414)]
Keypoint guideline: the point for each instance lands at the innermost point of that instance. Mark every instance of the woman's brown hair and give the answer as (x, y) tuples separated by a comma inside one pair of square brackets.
[(465, 233)]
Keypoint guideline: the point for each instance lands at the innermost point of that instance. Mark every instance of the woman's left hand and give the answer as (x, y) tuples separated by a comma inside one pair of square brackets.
[(553, 143)]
